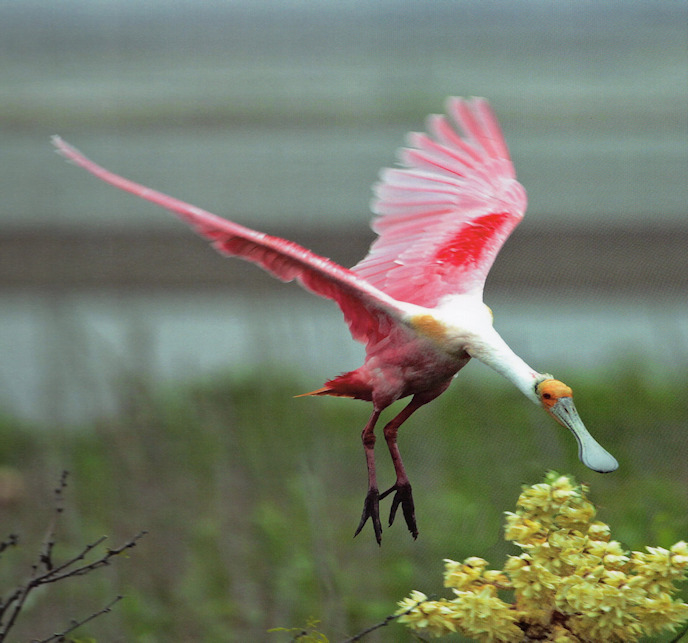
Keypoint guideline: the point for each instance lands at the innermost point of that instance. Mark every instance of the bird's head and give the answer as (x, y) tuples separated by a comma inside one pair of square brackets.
[(557, 399)]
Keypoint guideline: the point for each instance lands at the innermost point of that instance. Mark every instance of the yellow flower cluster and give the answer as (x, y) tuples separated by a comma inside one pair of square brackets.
[(571, 584)]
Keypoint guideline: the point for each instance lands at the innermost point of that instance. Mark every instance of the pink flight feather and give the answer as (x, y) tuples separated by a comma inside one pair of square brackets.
[(441, 222), (368, 312), (444, 216)]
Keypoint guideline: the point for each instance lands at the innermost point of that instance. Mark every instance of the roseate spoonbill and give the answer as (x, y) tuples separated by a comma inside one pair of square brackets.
[(415, 300)]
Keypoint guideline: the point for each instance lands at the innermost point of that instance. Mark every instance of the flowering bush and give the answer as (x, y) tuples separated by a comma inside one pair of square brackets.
[(572, 583)]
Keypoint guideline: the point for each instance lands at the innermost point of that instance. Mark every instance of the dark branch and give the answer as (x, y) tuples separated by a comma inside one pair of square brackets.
[(47, 552), (389, 619), (12, 541), (46, 571), (62, 571), (75, 624)]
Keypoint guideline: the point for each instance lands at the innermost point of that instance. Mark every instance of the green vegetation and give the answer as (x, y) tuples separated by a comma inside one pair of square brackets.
[(250, 499)]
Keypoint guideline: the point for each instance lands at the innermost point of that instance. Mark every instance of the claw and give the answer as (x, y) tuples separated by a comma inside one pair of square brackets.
[(371, 509), (403, 497)]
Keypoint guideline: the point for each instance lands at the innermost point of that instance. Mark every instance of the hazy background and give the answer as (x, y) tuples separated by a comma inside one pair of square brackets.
[(162, 375), (279, 115)]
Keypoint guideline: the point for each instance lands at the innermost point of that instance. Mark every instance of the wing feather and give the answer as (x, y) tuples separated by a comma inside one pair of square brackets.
[(369, 313), (443, 217)]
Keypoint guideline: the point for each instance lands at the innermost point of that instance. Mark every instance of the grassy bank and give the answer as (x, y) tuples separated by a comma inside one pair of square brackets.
[(251, 498)]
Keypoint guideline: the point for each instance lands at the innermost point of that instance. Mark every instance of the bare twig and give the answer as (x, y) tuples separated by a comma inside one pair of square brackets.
[(44, 558), (62, 571), (12, 541), (4, 604), (389, 619), (47, 571), (49, 543), (75, 624)]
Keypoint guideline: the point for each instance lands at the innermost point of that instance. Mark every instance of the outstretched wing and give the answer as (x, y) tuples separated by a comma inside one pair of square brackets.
[(369, 313), (444, 216)]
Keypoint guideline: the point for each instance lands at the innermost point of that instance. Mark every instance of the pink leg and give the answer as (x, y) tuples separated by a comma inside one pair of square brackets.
[(371, 506), (402, 486)]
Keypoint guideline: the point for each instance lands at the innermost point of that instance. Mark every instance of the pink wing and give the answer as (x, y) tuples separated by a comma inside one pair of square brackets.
[(445, 215), (369, 313)]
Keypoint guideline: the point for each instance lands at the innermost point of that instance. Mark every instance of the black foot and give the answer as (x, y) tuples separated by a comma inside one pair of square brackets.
[(403, 497), (371, 509)]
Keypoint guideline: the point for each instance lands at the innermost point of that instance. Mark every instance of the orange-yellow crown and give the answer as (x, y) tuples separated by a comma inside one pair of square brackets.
[(550, 391)]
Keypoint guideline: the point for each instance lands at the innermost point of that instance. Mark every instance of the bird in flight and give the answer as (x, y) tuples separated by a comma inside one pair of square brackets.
[(416, 300)]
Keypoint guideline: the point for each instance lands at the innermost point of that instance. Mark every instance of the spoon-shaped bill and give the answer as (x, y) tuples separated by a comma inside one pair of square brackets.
[(590, 452)]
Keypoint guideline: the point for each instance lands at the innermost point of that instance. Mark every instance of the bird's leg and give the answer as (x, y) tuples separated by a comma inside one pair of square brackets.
[(371, 506), (402, 486)]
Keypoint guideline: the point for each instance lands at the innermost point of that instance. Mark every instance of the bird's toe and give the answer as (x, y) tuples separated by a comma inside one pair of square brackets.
[(371, 509), (403, 496)]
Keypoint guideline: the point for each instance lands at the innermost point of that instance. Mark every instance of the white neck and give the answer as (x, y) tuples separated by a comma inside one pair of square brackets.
[(492, 350)]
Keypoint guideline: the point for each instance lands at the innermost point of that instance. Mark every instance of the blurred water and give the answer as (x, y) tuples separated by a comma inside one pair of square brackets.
[(284, 176), (284, 112), (65, 359)]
